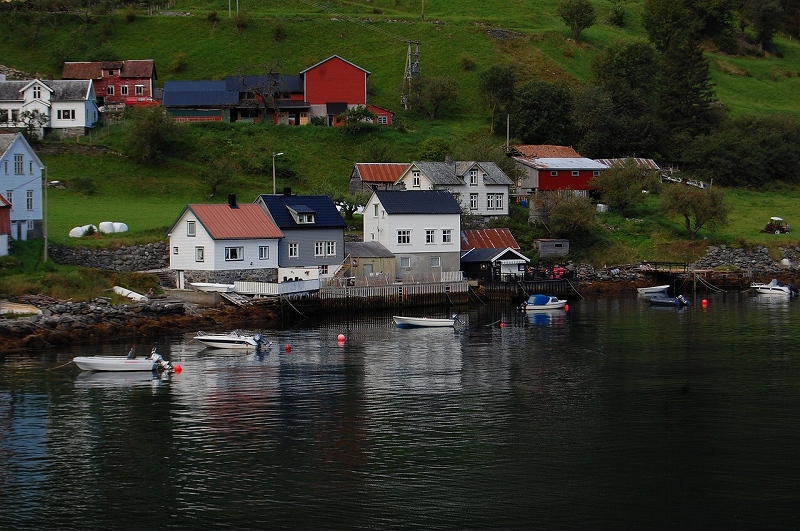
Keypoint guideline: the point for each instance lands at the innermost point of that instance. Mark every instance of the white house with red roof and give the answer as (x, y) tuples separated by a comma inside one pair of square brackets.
[(370, 176), (224, 243)]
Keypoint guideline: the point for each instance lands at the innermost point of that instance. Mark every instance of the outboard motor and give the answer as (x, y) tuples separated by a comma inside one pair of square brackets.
[(161, 363)]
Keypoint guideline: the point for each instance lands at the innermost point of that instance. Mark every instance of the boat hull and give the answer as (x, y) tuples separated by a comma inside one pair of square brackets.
[(422, 322), (236, 340), (213, 287), (677, 302), (543, 302), (653, 290), (114, 363)]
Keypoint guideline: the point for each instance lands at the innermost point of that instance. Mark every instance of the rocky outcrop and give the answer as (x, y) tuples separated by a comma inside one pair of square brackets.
[(757, 261)]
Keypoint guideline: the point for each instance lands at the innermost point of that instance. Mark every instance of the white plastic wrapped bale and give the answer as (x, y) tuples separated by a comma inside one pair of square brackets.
[(107, 227), (120, 227), (77, 232)]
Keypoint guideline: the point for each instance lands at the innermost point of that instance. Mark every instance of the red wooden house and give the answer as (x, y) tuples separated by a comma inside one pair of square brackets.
[(117, 81), (560, 168)]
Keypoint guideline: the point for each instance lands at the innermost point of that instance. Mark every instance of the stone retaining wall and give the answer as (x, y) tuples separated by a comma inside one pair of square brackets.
[(133, 258)]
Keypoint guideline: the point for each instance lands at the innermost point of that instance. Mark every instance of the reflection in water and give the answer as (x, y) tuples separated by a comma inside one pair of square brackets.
[(608, 415)]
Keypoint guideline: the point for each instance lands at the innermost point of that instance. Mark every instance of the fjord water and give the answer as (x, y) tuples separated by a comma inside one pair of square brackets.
[(613, 415)]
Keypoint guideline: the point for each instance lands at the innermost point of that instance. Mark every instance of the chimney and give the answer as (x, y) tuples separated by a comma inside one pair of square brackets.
[(287, 191), (232, 201)]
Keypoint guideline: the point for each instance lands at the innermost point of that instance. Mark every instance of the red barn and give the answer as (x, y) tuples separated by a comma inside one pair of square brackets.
[(115, 81), (335, 80), (546, 168)]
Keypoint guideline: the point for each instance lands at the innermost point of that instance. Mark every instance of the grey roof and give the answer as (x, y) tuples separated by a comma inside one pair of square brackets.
[(418, 202), (367, 250), (62, 90), (453, 173), (6, 139), (198, 94), (562, 163)]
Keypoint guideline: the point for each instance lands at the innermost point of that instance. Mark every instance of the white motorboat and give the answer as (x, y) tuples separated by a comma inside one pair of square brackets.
[(543, 302), (426, 322), (213, 287), (236, 339), (774, 288), (653, 290), (152, 362)]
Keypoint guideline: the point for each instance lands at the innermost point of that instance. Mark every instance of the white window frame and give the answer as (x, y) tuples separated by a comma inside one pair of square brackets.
[(405, 262), (175, 250), (330, 248), (191, 229), (403, 236), (138, 90), (234, 254), (19, 164), (199, 254), (415, 178), (375, 210), (123, 90), (319, 248), (263, 252), (494, 201), (436, 262), (29, 199), (576, 173), (10, 197), (294, 250), (383, 119), (430, 236), (473, 177), (596, 173), (473, 201), (37, 93), (447, 235), (553, 173), (110, 90)]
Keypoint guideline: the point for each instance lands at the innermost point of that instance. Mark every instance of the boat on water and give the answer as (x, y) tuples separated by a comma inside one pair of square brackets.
[(426, 322), (679, 302), (213, 287), (543, 302), (653, 290), (774, 288), (238, 339), (153, 362)]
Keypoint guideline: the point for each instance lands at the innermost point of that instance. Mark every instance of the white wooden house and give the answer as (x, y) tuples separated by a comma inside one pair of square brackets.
[(481, 188), (420, 227), (66, 106), (224, 243), (21, 185)]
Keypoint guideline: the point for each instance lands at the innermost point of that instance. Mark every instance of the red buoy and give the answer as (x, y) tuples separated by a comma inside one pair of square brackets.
[(566, 307), (178, 369), (287, 348)]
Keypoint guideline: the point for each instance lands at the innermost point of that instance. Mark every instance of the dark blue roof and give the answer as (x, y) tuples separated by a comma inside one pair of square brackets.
[(198, 94), (325, 213), (479, 255), (418, 202)]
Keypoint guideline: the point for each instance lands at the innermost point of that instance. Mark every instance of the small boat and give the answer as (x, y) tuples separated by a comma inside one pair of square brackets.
[(153, 362), (543, 302), (680, 301), (774, 288), (426, 322), (235, 339), (213, 287), (653, 290)]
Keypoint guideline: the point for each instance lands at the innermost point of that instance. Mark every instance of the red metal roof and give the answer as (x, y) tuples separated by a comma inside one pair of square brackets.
[(487, 239), (545, 151), (245, 221), (380, 172)]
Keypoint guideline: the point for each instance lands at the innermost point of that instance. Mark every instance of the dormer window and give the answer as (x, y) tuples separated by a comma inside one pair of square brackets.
[(302, 215), (415, 178), (37, 93), (473, 177)]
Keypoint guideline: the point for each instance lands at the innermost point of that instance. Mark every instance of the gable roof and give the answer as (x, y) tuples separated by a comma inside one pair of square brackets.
[(322, 206), (487, 239), (546, 151), (82, 70), (418, 202), (379, 172), (334, 57), (223, 222), (7, 140), (366, 250), (198, 93), (62, 90), (507, 255), (453, 173), (138, 68)]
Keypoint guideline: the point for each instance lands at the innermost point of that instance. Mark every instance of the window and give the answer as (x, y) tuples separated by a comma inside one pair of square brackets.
[(404, 237), (305, 218), (10, 196), (191, 228), (139, 90), (174, 250), (473, 177), (19, 167), (110, 90), (29, 224), (473, 201), (110, 72), (436, 261), (447, 235), (430, 236), (494, 201), (330, 248), (37, 93), (263, 252), (405, 262), (30, 167), (554, 173), (123, 90), (294, 250), (575, 173), (199, 254), (596, 173), (319, 248), (5, 165), (383, 120), (29, 199), (66, 114), (234, 254), (323, 270), (415, 178), (375, 210)]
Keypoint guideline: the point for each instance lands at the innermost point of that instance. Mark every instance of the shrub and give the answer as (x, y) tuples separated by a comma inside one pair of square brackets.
[(467, 63)]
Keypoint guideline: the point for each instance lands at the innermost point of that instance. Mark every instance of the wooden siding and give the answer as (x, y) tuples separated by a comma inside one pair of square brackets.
[(335, 81)]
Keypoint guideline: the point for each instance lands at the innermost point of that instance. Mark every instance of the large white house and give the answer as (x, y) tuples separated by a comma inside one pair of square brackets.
[(224, 243), (21, 185), (69, 107), (481, 188), (420, 227)]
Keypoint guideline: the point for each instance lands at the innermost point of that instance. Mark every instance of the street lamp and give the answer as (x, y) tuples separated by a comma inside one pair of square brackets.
[(274, 190)]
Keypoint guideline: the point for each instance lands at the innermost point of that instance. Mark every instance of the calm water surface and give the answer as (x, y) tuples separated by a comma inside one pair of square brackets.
[(613, 415)]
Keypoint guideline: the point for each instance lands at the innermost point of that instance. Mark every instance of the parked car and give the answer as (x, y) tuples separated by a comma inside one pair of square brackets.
[(776, 225)]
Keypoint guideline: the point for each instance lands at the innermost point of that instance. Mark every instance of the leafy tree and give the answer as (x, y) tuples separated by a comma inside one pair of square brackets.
[(34, 121), (433, 149), (630, 63), (152, 135), (496, 85), (698, 207), (216, 173), (765, 16), (577, 15), (697, 19), (563, 213), (357, 119), (622, 186), (431, 94), (542, 113)]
